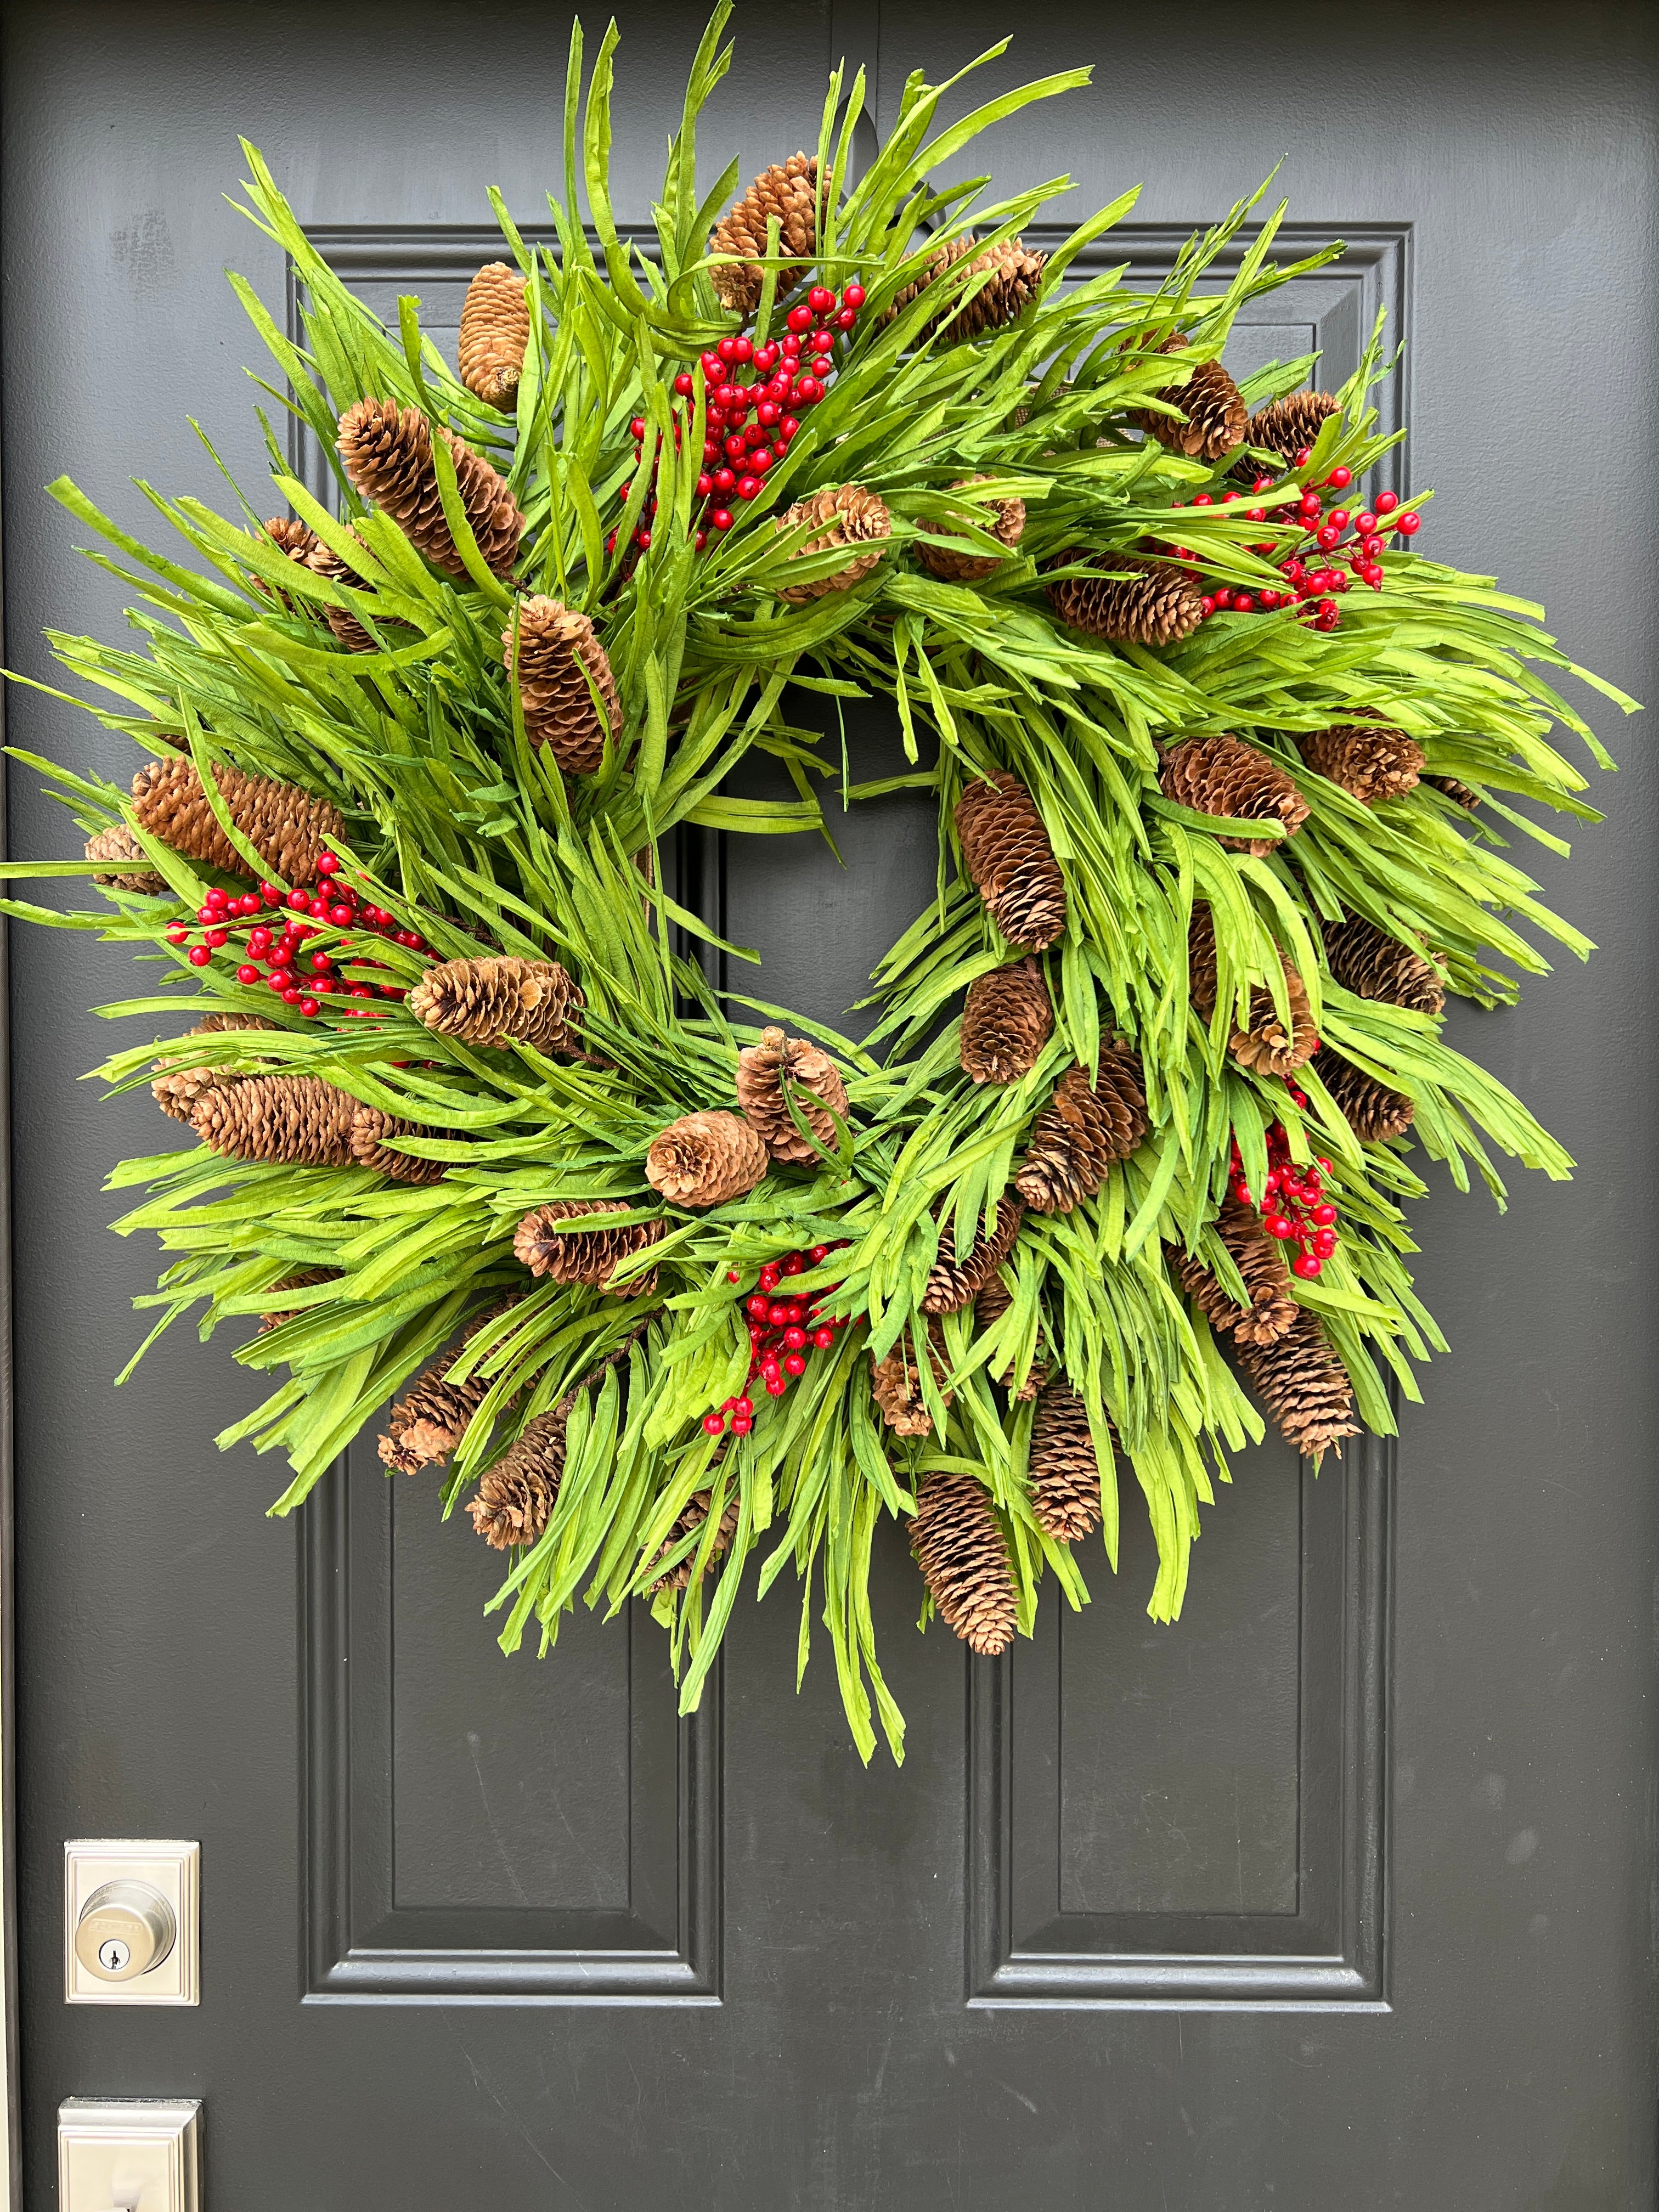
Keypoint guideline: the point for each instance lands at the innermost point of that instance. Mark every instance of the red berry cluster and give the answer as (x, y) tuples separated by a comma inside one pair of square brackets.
[(754, 395), (1313, 583), (1294, 1207), (275, 956), (780, 1332)]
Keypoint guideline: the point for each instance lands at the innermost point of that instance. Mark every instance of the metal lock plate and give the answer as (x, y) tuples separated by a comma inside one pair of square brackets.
[(131, 1923), (129, 2156)]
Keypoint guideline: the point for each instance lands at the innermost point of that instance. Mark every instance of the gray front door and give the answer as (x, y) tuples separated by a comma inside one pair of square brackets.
[(1336, 1894)]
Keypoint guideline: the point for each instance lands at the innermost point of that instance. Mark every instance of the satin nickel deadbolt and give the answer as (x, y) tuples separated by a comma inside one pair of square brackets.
[(131, 1918), (126, 1928)]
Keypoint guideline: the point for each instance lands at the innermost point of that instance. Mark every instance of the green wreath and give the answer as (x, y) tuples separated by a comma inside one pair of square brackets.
[(660, 1276)]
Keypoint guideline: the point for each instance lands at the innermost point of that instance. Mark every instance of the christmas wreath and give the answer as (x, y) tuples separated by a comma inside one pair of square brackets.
[(660, 1276)]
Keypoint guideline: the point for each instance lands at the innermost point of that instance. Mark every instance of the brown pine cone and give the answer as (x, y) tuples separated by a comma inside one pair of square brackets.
[(428, 1423), (176, 1090), (288, 829), (500, 1001), (1203, 961), (295, 541), (322, 561), (788, 190), (372, 1132), (296, 1119), (952, 1282), (678, 1576), (895, 1385), (1455, 790), (1304, 1386), (1010, 860), (957, 1542), (765, 1069), (1285, 426), (302, 1280), (1216, 414), (1005, 296), (558, 651), (1081, 1131), (848, 516), (1064, 1470), (590, 1256), (387, 451), (1371, 1110), (1128, 600), (1267, 1045), (494, 333), (705, 1160), (1006, 1022), (1376, 966), (1221, 774), (118, 843), (991, 1301), (1260, 1261), (1003, 519), (514, 1499), (1368, 759)]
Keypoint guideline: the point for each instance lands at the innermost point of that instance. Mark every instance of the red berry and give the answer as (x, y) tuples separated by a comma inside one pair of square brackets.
[(743, 349), (1203, 499), (1256, 514), (1307, 1265), (740, 1427), (1327, 617), (720, 519), (1270, 600), (1206, 607), (713, 367), (766, 357), (768, 412), (851, 296), (713, 1424), (1364, 522), (1301, 456), (794, 1363), (247, 973), (682, 385), (790, 345), (705, 485), (1244, 604), (776, 1385), (794, 1339), (1386, 502), (1224, 598), (794, 1263), (724, 479), (845, 317), (734, 447), (799, 319), (820, 299), (1339, 479), (642, 539), (727, 349), (758, 1306), (1261, 483), (749, 487), (1372, 546), (309, 1008), (789, 425), (1371, 574), (199, 956), (1409, 524), (778, 1314), (1327, 538), (299, 900), (808, 391), (1324, 1244)]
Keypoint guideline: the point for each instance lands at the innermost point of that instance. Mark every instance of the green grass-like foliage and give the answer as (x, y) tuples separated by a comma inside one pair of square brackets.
[(453, 818)]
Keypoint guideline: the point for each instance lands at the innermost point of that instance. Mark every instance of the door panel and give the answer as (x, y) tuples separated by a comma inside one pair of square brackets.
[(1371, 1823)]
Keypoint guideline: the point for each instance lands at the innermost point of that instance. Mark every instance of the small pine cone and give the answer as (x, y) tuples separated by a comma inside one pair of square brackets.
[(847, 516), (1260, 1261), (296, 542), (953, 1283), (788, 190), (1285, 426), (176, 1090), (1455, 790), (1221, 774), (958, 1544), (1064, 1468), (780, 1068), (991, 1302), (1203, 961), (1129, 599), (1015, 283), (514, 1499), (387, 451), (589, 1255), (1003, 519), (301, 1281), (118, 843), (372, 1132), (1371, 1110), (1081, 1131), (557, 644), (1304, 1386), (322, 561), (895, 1386), (1216, 414), (298, 1121), (1376, 966), (287, 828), (1010, 860), (1368, 759), (1267, 1045), (494, 333), (678, 1576), (704, 1160), (428, 1423), (1006, 1021), (500, 1001)]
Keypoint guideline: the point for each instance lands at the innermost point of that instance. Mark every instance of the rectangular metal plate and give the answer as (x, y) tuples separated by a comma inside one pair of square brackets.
[(129, 2155), (174, 1869)]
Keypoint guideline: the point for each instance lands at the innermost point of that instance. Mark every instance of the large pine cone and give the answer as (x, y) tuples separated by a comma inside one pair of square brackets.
[(288, 829), (1007, 1019), (958, 1544), (1063, 1469), (514, 1499), (298, 1121), (557, 643), (953, 1283), (118, 844), (1004, 519), (1265, 1044), (322, 561), (705, 1160), (1128, 600), (1221, 774), (1377, 966), (373, 1134), (176, 1089), (428, 1423), (1371, 1110), (1272, 1310), (588, 1255), (788, 190), (1082, 1130), (500, 1001), (895, 1386), (1216, 414), (1005, 849), (495, 333), (1368, 759), (814, 1082), (1285, 426), (687, 1524), (847, 516), (1005, 294), (1304, 1386), (387, 451)]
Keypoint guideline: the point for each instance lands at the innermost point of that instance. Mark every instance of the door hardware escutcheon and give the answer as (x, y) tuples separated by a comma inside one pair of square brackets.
[(131, 1932)]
